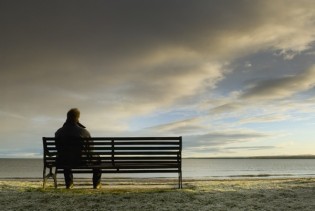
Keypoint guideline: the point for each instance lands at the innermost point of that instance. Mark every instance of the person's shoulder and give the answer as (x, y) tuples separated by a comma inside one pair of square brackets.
[(57, 133)]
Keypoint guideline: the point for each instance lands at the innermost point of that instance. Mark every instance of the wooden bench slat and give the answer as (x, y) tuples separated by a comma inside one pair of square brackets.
[(147, 143), (147, 153), (53, 157), (122, 171), (96, 144), (147, 148), (129, 138), (133, 153), (131, 148), (117, 158)]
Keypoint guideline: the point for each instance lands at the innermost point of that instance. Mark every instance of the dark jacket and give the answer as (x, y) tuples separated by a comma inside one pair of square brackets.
[(73, 130), (70, 143)]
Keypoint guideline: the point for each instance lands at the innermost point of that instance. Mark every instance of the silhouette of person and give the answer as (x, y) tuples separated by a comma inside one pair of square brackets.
[(72, 132)]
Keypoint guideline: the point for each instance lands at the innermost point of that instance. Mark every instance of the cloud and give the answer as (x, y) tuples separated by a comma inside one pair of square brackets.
[(227, 107), (214, 143), (280, 88), (311, 53), (222, 138), (265, 118), (182, 127), (117, 60), (214, 151), (250, 148), (92, 53)]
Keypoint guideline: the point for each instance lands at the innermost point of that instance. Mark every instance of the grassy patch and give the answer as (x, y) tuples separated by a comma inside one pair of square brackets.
[(286, 194)]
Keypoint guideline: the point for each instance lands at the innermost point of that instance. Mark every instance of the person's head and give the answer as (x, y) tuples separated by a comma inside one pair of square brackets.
[(73, 115)]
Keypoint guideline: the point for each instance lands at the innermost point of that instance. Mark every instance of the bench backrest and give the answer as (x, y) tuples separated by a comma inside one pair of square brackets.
[(148, 151)]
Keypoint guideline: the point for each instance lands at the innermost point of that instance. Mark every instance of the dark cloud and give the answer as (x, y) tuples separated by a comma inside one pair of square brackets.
[(227, 107), (182, 127), (105, 32), (285, 86), (112, 27)]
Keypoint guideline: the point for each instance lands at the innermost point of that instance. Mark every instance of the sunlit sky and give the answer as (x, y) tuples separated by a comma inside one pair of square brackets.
[(233, 77)]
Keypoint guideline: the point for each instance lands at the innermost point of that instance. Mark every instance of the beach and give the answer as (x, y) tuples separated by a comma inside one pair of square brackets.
[(161, 194)]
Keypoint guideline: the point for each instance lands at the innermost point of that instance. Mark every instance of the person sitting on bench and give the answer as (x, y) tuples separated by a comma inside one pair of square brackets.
[(71, 147)]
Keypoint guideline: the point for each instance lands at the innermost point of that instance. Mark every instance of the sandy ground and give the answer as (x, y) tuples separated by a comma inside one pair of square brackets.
[(161, 194)]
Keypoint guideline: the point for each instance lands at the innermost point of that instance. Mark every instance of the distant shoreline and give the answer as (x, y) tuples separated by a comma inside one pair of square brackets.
[(236, 157), (260, 157)]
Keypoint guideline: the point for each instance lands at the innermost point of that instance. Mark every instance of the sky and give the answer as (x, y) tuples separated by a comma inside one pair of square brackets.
[(233, 77)]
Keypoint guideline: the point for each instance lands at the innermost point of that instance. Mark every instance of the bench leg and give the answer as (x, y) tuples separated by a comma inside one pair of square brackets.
[(44, 178), (55, 178), (180, 180), (47, 176)]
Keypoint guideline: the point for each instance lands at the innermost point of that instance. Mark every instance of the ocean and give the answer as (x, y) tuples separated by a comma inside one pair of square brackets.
[(192, 168)]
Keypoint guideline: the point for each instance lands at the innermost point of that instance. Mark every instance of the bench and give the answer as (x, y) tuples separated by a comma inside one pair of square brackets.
[(118, 155)]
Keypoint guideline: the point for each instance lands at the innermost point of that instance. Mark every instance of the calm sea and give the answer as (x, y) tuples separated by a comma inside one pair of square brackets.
[(192, 168)]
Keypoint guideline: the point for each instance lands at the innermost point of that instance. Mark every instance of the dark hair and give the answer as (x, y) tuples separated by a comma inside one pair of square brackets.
[(73, 115)]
